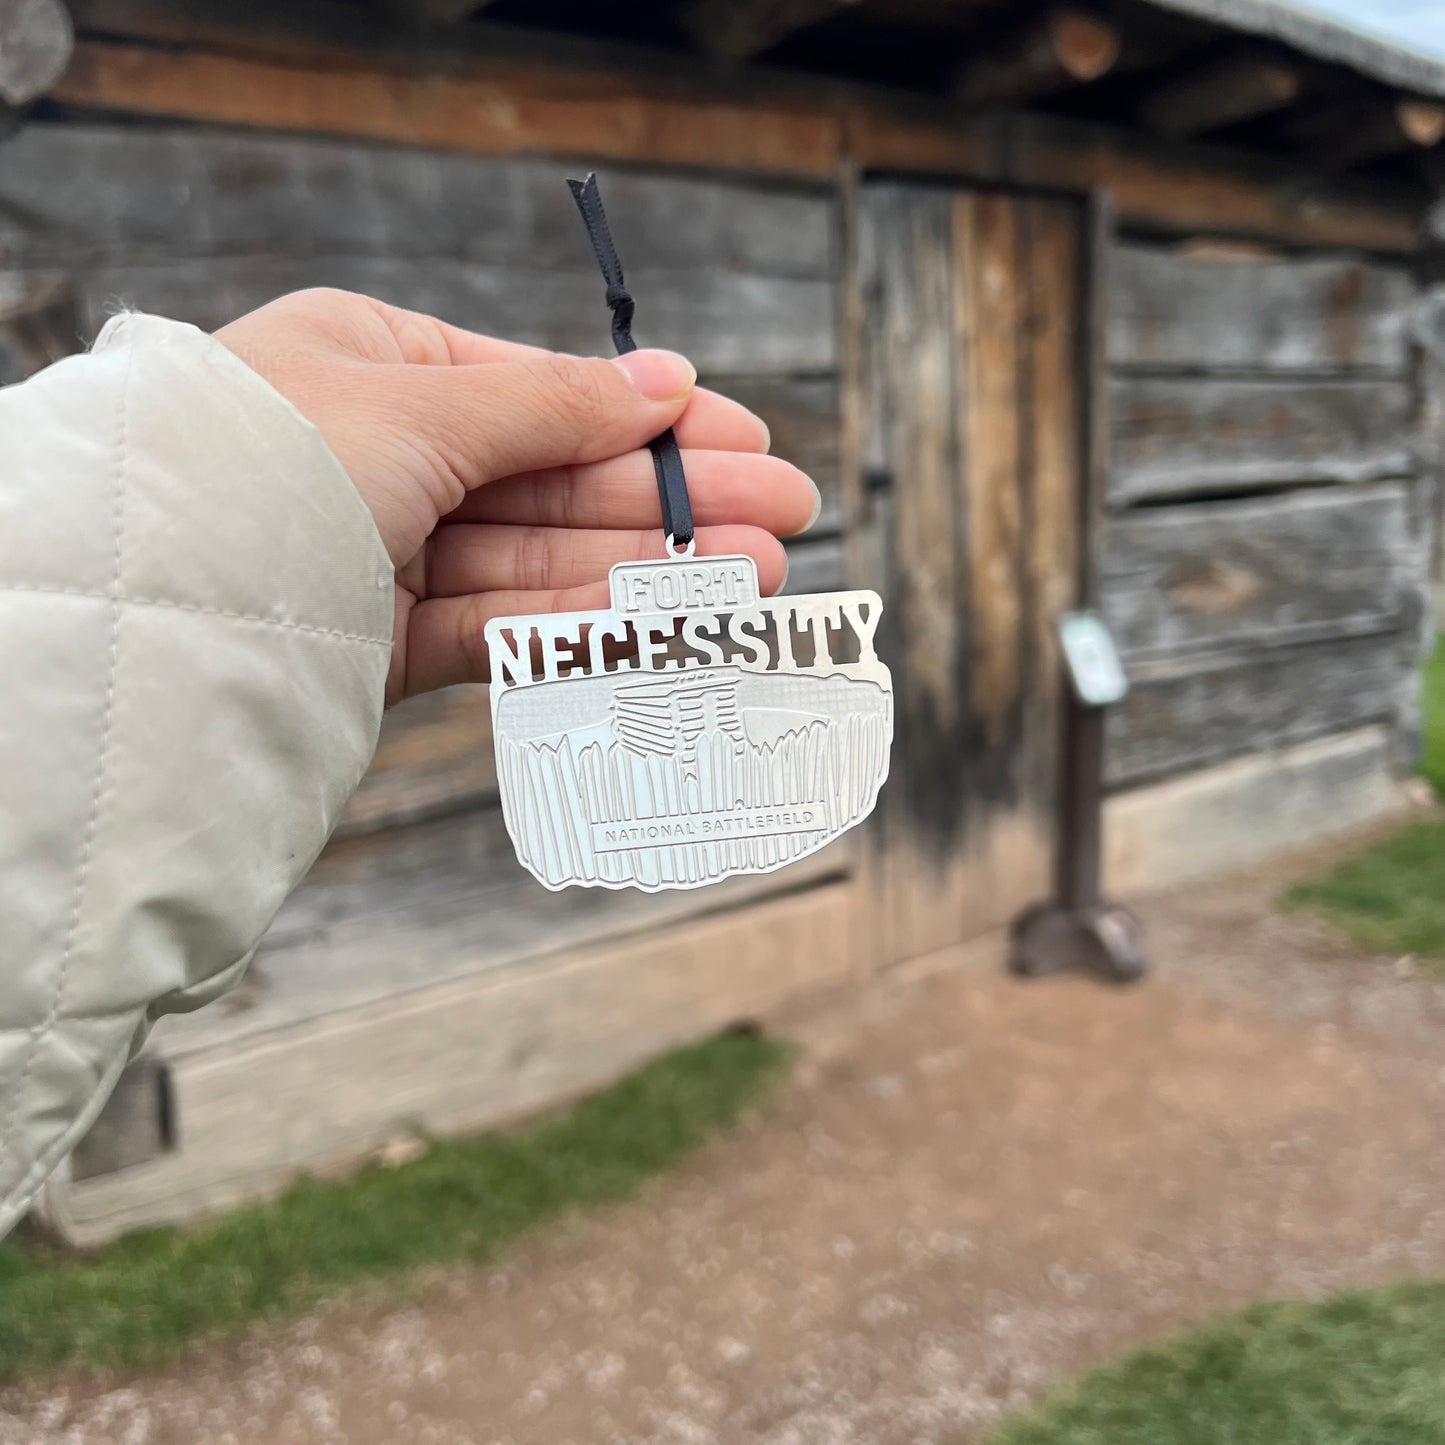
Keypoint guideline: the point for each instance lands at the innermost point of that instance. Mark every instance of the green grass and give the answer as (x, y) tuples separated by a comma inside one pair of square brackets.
[(1360, 1369), (1432, 702), (148, 1295), (1391, 896)]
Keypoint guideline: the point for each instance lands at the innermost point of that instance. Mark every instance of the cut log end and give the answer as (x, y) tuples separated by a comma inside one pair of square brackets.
[(1084, 45), (1340, 137), (1422, 122), (1280, 82), (1068, 47), (36, 41), (1222, 92)]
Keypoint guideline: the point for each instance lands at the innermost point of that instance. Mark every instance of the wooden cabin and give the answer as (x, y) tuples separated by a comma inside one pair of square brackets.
[(1119, 304)]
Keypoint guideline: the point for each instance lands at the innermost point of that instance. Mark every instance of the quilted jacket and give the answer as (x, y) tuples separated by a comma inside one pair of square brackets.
[(195, 623)]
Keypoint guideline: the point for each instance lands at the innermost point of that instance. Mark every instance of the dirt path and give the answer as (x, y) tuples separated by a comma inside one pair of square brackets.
[(972, 1186)]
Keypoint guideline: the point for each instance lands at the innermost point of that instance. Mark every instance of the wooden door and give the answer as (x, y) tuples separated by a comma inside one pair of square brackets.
[(973, 458)]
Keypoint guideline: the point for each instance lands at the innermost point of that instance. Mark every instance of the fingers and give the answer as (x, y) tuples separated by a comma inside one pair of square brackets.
[(485, 422), (708, 421), (444, 641), (724, 486), (482, 558), (717, 423), (444, 638), (427, 341)]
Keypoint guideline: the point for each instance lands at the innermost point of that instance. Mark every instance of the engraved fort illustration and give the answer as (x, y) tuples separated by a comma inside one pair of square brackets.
[(673, 748)]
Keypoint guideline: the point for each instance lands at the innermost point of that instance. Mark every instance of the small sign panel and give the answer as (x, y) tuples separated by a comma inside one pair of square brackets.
[(1092, 658)]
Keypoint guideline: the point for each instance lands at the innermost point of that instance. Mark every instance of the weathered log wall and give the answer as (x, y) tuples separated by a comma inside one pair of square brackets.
[(1265, 497), (1265, 550)]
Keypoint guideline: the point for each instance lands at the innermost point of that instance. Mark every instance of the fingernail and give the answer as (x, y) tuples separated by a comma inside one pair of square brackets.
[(767, 435), (817, 506), (787, 567), (658, 375)]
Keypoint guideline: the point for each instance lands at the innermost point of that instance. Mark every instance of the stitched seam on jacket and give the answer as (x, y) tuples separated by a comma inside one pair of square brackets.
[(87, 847), (260, 621)]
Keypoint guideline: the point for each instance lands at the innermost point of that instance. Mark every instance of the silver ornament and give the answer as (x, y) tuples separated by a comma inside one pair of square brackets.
[(692, 731)]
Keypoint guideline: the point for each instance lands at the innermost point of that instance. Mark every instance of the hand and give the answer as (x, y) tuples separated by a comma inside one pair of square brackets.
[(507, 479)]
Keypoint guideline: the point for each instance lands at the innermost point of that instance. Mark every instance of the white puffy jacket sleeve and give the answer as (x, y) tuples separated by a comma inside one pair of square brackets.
[(195, 622)]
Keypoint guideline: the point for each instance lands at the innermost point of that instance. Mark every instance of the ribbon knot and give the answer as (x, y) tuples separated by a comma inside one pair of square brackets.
[(623, 307)]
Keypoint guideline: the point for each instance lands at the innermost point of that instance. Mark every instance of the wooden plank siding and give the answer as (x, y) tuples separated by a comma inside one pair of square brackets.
[(1219, 705), (1274, 571), (208, 226), (1190, 436), (1301, 316), (434, 756), (88, 190), (1263, 564)]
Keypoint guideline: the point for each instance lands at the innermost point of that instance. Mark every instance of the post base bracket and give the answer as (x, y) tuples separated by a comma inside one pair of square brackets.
[(1104, 938)]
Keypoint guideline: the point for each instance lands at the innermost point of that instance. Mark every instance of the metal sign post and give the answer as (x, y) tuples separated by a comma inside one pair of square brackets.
[(1079, 929)]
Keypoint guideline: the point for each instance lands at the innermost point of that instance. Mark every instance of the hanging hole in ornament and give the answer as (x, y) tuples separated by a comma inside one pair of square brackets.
[(673, 550)]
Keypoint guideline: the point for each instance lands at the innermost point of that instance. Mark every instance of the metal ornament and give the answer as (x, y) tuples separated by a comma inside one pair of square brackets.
[(690, 732)]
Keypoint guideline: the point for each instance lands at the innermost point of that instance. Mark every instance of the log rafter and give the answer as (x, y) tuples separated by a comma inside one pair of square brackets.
[(1240, 84), (1346, 134), (739, 29)]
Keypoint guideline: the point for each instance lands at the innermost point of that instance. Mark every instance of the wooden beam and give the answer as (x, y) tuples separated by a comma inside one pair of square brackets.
[(1186, 714), (1195, 190), (1178, 312), (737, 29), (295, 32), (36, 40), (1314, 564), (1421, 121), (1187, 436), (804, 133), (434, 12), (1065, 47), (560, 112), (1221, 91), (1349, 135)]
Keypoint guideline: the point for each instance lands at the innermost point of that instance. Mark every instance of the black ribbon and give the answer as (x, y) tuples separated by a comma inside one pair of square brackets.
[(666, 458)]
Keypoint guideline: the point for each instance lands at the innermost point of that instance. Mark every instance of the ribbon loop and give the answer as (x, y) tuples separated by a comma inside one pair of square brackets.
[(666, 458)]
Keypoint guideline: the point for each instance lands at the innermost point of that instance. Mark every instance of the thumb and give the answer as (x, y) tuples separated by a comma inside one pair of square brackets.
[(494, 420)]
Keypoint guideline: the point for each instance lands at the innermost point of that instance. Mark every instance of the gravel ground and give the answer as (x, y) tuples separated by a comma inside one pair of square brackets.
[(972, 1186)]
